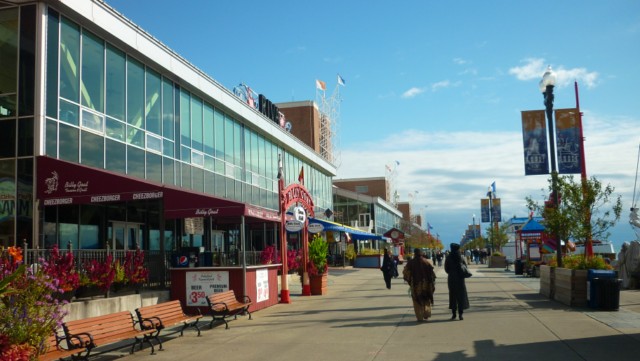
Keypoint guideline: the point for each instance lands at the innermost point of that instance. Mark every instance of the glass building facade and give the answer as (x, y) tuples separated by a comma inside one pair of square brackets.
[(72, 91)]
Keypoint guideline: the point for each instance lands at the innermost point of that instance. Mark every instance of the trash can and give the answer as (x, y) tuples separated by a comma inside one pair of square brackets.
[(595, 279), (608, 296), (519, 266)]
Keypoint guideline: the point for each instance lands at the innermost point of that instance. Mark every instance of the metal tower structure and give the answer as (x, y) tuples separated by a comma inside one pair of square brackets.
[(329, 108)]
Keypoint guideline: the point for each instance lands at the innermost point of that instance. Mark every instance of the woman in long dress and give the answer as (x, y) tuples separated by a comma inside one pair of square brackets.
[(419, 274), (458, 299)]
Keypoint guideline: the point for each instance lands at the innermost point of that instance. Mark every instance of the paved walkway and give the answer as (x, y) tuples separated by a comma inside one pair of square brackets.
[(361, 320)]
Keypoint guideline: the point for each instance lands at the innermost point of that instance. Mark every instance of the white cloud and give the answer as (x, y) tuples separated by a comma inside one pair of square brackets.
[(534, 68), (412, 92), (452, 170), (440, 84)]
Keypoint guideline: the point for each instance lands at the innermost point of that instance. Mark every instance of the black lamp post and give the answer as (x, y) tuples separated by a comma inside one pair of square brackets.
[(546, 87)]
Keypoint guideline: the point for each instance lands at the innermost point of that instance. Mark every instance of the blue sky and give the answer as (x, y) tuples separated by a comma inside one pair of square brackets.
[(437, 86)]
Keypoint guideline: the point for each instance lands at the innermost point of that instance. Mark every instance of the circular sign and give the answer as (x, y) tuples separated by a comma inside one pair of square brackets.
[(315, 227), (293, 226), (299, 214), (395, 234)]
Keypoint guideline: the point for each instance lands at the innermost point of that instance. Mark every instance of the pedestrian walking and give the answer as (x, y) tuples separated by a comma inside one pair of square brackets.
[(387, 268), (419, 274), (439, 257), (453, 265)]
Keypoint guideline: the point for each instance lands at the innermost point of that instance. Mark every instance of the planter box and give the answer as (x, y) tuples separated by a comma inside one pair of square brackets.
[(547, 281), (571, 287), (318, 284), (498, 262)]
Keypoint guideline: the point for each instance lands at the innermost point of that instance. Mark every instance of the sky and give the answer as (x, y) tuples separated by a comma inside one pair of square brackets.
[(434, 90)]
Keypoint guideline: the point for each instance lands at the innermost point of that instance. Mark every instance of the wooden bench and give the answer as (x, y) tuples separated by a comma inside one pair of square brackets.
[(86, 334), (164, 315), (54, 350), (225, 304)]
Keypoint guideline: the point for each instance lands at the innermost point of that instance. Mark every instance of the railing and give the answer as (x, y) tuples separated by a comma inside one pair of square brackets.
[(157, 262)]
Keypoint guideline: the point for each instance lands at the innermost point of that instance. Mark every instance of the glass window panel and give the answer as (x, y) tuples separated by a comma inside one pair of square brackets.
[(69, 60), (228, 139), (253, 156), (262, 156), (116, 155), (135, 162), (220, 166), (9, 50), (135, 93), (52, 63), (167, 149), (196, 123), (115, 129), (197, 179), (185, 119), (237, 143), (51, 139), (168, 171), (218, 132), (154, 143), (25, 137), (197, 159), (92, 152), (154, 167), (27, 72), (116, 80), (135, 136), (68, 226), (153, 109), (209, 163), (7, 106), (209, 183), (167, 110), (93, 121), (69, 112), (69, 143), (208, 129), (220, 186), (186, 175), (185, 153), (92, 86), (8, 138)]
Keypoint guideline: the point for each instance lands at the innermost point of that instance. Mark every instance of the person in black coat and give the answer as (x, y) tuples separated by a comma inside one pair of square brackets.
[(387, 268), (458, 299)]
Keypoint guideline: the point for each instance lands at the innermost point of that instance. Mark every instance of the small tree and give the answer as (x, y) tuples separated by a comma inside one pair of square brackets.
[(498, 237), (580, 203)]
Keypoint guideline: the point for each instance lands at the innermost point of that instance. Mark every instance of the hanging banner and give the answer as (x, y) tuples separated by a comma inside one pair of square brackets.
[(534, 136), (484, 210), (568, 141), (496, 210)]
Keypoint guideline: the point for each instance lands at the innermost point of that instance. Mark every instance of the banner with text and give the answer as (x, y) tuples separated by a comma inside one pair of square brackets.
[(534, 136), (568, 141)]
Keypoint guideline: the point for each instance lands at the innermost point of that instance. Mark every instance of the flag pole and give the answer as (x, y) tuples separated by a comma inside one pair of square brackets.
[(588, 246)]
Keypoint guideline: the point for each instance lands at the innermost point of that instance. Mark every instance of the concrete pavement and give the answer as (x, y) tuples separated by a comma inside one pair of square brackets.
[(361, 320)]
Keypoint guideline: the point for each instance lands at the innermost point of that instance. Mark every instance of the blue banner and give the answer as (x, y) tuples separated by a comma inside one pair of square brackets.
[(568, 141), (534, 136)]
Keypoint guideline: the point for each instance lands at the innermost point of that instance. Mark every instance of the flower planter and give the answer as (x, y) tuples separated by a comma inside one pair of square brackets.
[(498, 262), (125, 288), (64, 296), (91, 291), (571, 287), (318, 284), (547, 280)]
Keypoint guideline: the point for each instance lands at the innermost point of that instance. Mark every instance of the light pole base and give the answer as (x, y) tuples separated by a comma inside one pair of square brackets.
[(284, 296), (306, 290)]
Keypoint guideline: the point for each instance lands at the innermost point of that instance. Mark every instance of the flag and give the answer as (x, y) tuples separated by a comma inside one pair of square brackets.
[(397, 163), (493, 188), (340, 80), (388, 168), (301, 176), (321, 85), (429, 228)]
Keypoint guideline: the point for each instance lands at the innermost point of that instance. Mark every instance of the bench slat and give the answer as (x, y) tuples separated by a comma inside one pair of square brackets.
[(225, 304)]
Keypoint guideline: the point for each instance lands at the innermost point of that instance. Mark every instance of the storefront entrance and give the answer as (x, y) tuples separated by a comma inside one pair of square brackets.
[(124, 235)]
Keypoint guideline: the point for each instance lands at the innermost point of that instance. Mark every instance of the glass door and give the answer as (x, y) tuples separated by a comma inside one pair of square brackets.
[(124, 235)]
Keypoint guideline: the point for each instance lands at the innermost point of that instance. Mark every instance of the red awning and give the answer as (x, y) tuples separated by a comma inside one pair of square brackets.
[(179, 203), (60, 182)]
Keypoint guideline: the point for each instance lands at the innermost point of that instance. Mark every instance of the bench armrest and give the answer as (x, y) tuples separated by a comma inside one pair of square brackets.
[(84, 340), (246, 299), (151, 323)]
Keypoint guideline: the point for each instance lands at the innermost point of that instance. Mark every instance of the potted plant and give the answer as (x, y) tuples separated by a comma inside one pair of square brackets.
[(62, 268), (317, 266), (570, 285), (96, 277), (497, 260), (136, 273)]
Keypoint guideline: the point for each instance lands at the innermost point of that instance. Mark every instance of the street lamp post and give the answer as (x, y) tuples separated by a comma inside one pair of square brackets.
[(546, 87)]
